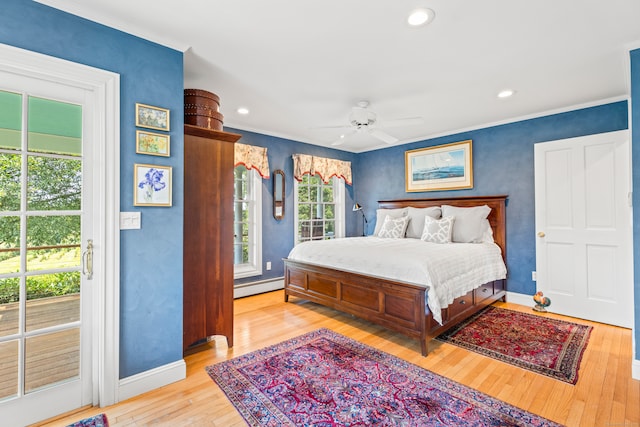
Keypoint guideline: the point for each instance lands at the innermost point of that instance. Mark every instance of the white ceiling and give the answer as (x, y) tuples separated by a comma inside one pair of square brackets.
[(298, 65)]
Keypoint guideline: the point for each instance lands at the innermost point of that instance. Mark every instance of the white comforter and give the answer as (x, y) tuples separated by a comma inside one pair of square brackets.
[(447, 270)]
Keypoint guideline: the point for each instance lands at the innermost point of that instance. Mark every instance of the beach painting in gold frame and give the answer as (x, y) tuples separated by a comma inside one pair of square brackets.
[(443, 167)]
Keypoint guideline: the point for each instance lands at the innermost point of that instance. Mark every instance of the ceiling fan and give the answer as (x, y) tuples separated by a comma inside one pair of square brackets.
[(362, 119)]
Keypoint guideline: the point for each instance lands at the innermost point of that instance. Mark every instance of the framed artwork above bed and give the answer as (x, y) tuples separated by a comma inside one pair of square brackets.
[(443, 167)]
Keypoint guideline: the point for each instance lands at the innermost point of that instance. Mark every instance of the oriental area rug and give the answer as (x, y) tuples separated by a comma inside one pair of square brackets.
[(99, 420), (540, 344), (325, 379)]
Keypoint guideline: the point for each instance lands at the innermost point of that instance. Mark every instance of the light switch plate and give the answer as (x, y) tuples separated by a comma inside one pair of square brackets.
[(129, 220)]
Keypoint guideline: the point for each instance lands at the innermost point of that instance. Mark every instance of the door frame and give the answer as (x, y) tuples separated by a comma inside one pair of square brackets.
[(105, 86)]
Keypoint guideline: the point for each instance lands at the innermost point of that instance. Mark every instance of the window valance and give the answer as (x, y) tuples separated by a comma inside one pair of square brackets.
[(326, 168), (252, 157)]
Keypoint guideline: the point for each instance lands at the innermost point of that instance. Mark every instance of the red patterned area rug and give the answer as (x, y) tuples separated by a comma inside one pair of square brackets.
[(540, 344), (325, 379), (99, 420)]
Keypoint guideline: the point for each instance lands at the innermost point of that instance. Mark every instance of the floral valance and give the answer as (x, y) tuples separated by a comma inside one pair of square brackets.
[(326, 168), (252, 157)]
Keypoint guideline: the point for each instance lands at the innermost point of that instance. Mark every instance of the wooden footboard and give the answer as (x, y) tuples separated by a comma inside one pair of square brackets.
[(394, 305)]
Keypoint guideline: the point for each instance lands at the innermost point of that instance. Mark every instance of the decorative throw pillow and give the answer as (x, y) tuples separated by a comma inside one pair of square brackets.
[(437, 230), (416, 219), (382, 213), (471, 223), (394, 228)]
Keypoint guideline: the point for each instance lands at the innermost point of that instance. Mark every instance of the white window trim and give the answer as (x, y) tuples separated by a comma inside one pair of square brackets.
[(255, 232), (339, 194)]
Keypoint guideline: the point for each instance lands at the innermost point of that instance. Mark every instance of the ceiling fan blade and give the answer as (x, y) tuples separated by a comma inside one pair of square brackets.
[(383, 136), (343, 138), (330, 127), (406, 121)]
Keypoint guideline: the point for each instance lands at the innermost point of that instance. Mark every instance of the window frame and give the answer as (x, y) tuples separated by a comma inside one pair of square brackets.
[(254, 200), (339, 200)]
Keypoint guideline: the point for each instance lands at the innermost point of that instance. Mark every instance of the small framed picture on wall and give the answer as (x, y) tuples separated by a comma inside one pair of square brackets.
[(151, 117), (152, 185), (443, 167), (154, 144)]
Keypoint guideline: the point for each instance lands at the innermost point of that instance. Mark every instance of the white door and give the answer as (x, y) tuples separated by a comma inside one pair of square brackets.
[(46, 289), (583, 226)]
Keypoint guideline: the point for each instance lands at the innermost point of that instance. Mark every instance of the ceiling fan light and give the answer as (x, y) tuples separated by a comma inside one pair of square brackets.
[(420, 17), (506, 93)]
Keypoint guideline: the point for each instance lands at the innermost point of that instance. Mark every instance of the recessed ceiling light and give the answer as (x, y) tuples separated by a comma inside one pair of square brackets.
[(420, 17), (243, 110), (506, 93)]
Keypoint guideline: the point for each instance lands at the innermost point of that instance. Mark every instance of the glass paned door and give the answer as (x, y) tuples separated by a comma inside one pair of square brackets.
[(41, 223)]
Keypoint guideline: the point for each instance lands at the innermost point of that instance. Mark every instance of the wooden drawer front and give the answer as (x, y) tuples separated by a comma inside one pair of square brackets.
[(498, 286), (400, 307), (297, 278), (323, 286), (461, 304), (361, 296), (483, 292)]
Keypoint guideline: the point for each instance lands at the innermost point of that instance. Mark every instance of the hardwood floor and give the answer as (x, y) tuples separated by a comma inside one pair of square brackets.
[(605, 394)]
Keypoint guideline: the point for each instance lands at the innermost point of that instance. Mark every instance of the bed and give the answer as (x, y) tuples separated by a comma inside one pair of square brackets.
[(397, 304)]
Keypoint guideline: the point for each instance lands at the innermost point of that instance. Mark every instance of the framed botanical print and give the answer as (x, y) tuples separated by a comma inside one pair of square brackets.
[(151, 185), (151, 117)]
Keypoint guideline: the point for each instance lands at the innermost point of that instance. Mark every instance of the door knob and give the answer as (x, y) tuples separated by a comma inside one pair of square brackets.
[(541, 234)]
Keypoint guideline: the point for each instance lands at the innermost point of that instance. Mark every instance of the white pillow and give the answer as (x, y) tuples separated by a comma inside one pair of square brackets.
[(437, 230), (416, 219), (394, 228), (487, 237), (381, 214), (470, 223)]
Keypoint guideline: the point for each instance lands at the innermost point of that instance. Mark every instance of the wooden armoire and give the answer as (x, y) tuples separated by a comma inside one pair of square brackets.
[(208, 234)]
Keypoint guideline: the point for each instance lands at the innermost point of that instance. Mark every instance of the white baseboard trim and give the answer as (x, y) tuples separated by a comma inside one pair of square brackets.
[(151, 379), (247, 289), (635, 369), (521, 299)]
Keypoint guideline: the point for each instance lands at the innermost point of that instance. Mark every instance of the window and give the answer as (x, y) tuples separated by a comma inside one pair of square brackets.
[(247, 223), (319, 213)]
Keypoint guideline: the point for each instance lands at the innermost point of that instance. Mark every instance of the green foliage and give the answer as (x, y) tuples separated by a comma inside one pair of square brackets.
[(9, 182), (52, 184), (241, 214), (316, 208), (48, 285)]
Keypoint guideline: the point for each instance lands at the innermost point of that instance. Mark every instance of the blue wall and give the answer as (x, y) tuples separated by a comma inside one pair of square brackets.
[(151, 258), (502, 164), (278, 236), (635, 154)]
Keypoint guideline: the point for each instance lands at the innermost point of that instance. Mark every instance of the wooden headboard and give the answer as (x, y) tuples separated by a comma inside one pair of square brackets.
[(497, 216)]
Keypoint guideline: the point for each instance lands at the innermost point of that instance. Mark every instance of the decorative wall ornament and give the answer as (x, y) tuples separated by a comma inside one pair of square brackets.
[(443, 167), (151, 117), (278, 194), (151, 185), (154, 144)]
